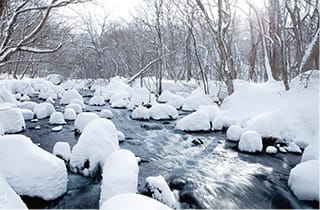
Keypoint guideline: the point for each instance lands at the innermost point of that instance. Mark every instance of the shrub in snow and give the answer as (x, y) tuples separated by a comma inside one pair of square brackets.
[(7, 97), (120, 174), (43, 110), (234, 133), (9, 198), (27, 105), (304, 180), (161, 191), (84, 119), (27, 114), (31, 170), (250, 141), (97, 141), (69, 114), (12, 120), (97, 101), (76, 107), (163, 112), (311, 152), (70, 95), (130, 201), (140, 113), (195, 99), (105, 113), (57, 118), (271, 150), (62, 150), (197, 121), (121, 136), (293, 147), (213, 111)]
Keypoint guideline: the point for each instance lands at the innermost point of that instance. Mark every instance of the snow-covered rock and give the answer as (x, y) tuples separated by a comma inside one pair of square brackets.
[(250, 141), (55, 79), (12, 119), (163, 112), (8, 198), (69, 114), (196, 121), (293, 147), (140, 113), (27, 114), (7, 97), (165, 96), (105, 113), (119, 102), (97, 141), (76, 107), (140, 97), (271, 150), (50, 100), (27, 105), (43, 110), (120, 174), (62, 150), (195, 99), (97, 101), (70, 95), (121, 136), (84, 119), (311, 152), (57, 128), (132, 201), (304, 180), (57, 118), (213, 111), (161, 191), (31, 170), (234, 132)]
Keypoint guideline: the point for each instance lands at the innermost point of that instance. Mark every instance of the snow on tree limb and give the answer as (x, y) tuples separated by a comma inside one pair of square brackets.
[(308, 51)]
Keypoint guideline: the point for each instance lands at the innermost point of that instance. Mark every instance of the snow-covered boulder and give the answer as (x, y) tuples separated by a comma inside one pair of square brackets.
[(165, 96), (234, 132), (27, 105), (140, 97), (31, 170), (161, 191), (84, 119), (9, 198), (311, 152), (12, 119), (121, 136), (176, 101), (120, 174), (97, 101), (105, 113), (197, 121), (304, 180), (76, 107), (70, 95), (293, 147), (120, 100), (140, 113), (130, 201), (213, 111), (50, 100), (163, 112), (97, 141), (271, 150), (55, 79), (195, 99), (62, 150), (7, 97), (57, 118), (43, 110), (69, 114), (250, 141), (27, 114)]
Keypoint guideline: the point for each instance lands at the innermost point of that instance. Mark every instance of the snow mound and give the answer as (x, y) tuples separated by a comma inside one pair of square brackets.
[(76, 107), (70, 95), (213, 111), (195, 99), (84, 119), (27, 105), (8, 198), (57, 118), (165, 96), (250, 141), (62, 150), (43, 110), (27, 114), (12, 119), (97, 101), (50, 100), (69, 114), (197, 121), (304, 180), (120, 100), (1, 129), (97, 141), (7, 97), (121, 136), (271, 150), (234, 132), (31, 170), (132, 201), (141, 96), (120, 174), (163, 112), (311, 152), (57, 128), (161, 191), (176, 101), (105, 113), (140, 113), (55, 79), (293, 147)]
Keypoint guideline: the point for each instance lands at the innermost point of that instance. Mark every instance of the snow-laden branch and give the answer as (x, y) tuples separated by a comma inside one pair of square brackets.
[(37, 50), (309, 49)]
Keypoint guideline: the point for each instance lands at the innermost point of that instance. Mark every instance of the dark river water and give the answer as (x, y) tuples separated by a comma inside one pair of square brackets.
[(207, 170)]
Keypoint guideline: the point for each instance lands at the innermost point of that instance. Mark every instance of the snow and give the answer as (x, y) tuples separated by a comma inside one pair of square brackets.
[(105, 113), (120, 100), (55, 79), (12, 119), (97, 141), (69, 114), (271, 150), (311, 152), (50, 100), (234, 132), (197, 121), (293, 147), (120, 174), (62, 150), (70, 95), (176, 101), (195, 99), (27, 105), (27, 114), (76, 107), (132, 201), (163, 112), (165, 96), (7, 97), (213, 111), (304, 180), (57, 128), (161, 191), (121, 136), (1, 129), (250, 141), (140, 97), (43, 110), (140, 113), (31, 170), (97, 101), (83, 119), (57, 118), (8, 198)]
